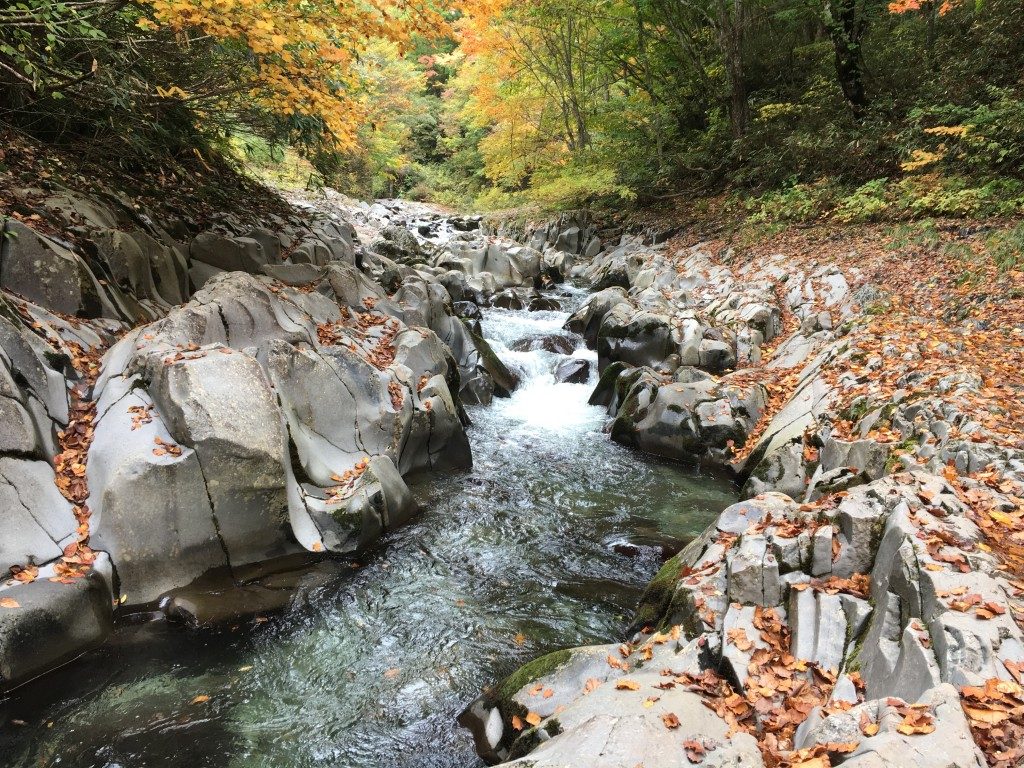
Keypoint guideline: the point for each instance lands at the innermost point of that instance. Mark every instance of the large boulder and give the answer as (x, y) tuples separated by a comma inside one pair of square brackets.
[(48, 622), (151, 510), (695, 419), (265, 418), (46, 273), (632, 337)]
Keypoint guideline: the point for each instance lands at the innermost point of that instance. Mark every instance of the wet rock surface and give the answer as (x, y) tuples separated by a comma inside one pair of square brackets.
[(263, 391), (195, 426), (844, 611)]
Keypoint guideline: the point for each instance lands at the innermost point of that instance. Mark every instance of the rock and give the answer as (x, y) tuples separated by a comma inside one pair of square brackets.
[(574, 370), (378, 501), (635, 338), (738, 629), (295, 274), (45, 273), (222, 406), (543, 304), (53, 622), (489, 266), (754, 573), (230, 254), (833, 481), (261, 431), (404, 244), (738, 517), (505, 381), (605, 727), (467, 310), (150, 512), (549, 342), (508, 299), (586, 321), (949, 744), (715, 356), (865, 456), (691, 421), (37, 521), (818, 626)]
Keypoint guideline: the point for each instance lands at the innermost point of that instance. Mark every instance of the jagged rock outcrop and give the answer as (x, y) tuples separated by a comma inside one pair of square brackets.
[(861, 595), (278, 399), (842, 611), (262, 398)]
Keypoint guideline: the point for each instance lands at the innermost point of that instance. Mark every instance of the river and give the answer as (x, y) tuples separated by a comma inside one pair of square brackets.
[(546, 543)]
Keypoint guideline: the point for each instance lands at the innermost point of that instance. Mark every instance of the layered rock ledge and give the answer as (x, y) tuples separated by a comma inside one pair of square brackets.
[(195, 412), (861, 605)]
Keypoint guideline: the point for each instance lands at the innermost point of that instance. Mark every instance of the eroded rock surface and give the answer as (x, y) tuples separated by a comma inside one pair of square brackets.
[(264, 389)]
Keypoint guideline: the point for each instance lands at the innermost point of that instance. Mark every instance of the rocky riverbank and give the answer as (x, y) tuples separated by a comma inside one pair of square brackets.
[(196, 413), (192, 412), (861, 607)]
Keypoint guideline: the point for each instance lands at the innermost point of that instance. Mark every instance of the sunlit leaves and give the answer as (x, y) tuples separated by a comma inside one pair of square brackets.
[(305, 53)]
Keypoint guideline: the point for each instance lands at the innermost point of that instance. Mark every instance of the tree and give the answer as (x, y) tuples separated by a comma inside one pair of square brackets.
[(847, 22)]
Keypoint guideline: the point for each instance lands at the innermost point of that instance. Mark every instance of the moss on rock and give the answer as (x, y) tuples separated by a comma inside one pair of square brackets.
[(656, 599), (526, 674)]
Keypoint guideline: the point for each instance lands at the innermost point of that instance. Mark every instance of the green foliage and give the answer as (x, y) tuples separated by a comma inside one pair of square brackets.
[(797, 202), (867, 203), (568, 103), (1006, 248)]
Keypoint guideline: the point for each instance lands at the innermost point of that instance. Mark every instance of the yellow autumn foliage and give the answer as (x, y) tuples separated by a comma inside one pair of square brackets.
[(304, 53)]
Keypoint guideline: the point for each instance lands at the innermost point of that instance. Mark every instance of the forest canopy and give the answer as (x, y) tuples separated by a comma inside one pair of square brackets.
[(851, 108)]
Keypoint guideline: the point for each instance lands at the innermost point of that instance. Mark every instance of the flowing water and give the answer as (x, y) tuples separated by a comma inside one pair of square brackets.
[(547, 542)]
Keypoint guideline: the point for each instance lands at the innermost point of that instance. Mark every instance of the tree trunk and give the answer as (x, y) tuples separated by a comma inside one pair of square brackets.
[(730, 34), (847, 31)]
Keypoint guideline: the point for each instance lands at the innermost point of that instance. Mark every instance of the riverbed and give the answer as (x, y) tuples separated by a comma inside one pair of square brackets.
[(546, 543)]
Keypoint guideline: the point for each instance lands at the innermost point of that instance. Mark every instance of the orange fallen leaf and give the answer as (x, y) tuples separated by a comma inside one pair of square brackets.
[(533, 718), (627, 685), (694, 751), (670, 720), (867, 727), (915, 722), (200, 699), (982, 715), (9, 602)]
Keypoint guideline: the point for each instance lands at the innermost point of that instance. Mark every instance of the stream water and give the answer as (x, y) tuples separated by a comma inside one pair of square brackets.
[(547, 542)]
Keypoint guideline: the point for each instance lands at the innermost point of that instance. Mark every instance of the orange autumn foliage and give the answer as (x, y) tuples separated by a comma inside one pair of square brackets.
[(303, 53)]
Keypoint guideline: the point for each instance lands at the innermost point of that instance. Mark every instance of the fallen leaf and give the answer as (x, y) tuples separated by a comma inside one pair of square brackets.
[(670, 720), (200, 699), (916, 722), (694, 751), (627, 685), (9, 602)]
